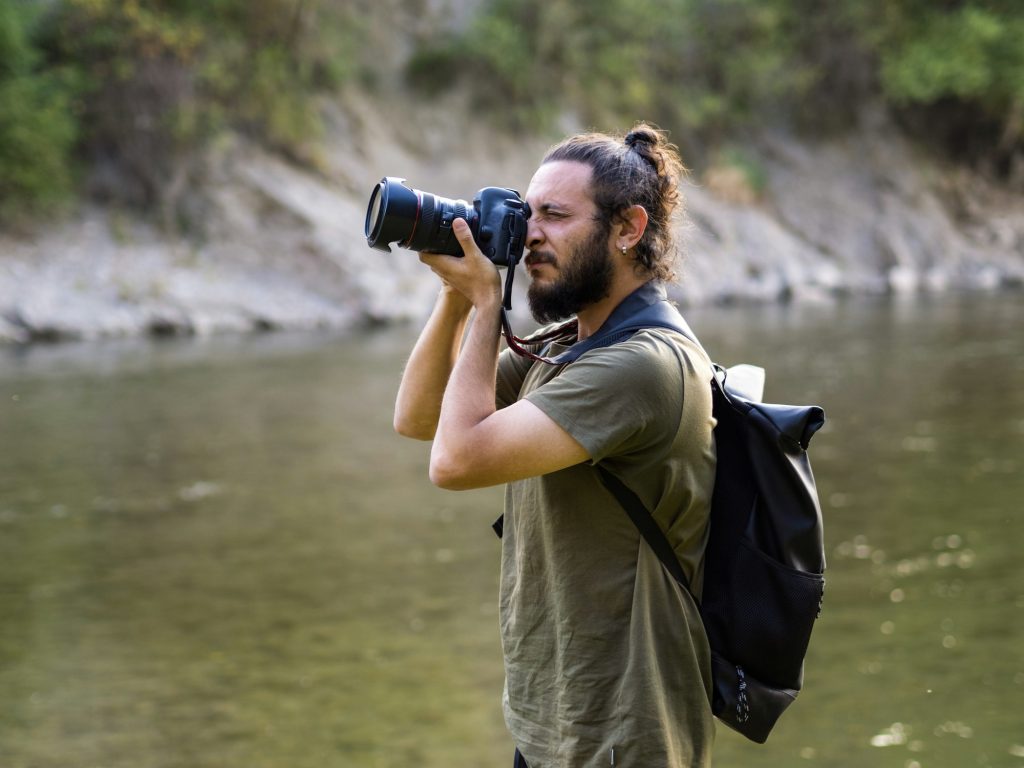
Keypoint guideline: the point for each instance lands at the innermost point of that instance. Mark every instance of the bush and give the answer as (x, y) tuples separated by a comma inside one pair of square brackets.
[(700, 66), (138, 88), (37, 124), (707, 69), (954, 72)]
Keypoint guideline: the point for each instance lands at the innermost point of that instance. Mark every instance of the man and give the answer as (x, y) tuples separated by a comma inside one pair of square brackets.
[(606, 659)]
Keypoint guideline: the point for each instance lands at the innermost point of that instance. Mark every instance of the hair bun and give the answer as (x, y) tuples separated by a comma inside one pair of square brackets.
[(641, 134)]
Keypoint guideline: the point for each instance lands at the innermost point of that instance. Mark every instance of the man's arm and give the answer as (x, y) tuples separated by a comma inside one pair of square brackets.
[(418, 404), (475, 444)]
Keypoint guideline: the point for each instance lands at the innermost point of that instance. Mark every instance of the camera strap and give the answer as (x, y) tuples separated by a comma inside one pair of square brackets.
[(646, 307), (514, 342)]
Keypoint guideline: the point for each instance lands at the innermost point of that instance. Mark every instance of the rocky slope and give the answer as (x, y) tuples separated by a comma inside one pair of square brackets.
[(282, 246)]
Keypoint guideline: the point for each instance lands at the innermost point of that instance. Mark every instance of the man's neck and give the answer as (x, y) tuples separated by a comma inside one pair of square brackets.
[(591, 318)]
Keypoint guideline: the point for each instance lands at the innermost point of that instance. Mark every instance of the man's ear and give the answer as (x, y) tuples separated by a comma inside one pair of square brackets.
[(630, 225)]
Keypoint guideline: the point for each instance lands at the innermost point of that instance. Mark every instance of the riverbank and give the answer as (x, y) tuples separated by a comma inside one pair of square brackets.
[(279, 246)]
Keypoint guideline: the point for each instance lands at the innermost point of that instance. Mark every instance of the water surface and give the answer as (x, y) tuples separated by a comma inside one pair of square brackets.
[(216, 553)]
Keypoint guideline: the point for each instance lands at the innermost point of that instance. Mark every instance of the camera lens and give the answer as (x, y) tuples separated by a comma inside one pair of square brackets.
[(415, 220), (392, 214), (374, 213)]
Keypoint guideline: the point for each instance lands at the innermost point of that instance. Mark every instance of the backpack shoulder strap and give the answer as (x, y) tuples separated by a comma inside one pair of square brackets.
[(660, 314), (645, 523)]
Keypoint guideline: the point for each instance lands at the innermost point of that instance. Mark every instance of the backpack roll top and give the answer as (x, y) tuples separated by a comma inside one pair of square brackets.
[(790, 532)]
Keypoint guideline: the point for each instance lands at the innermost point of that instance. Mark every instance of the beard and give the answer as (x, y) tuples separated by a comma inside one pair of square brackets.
[(585, 279)]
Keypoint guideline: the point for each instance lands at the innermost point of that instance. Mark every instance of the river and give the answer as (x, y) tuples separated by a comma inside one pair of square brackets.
[(216, 553)]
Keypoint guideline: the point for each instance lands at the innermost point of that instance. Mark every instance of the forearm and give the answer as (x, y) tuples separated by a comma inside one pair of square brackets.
[(470, 396), (418, 405)]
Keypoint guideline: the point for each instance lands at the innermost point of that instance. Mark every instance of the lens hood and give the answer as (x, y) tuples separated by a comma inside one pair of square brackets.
[(392, 214)]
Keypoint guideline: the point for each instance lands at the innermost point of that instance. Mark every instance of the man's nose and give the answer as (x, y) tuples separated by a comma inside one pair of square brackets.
[(534, 236)]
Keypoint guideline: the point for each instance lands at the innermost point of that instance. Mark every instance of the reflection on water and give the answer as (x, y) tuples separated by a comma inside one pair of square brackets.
[(216, 553)]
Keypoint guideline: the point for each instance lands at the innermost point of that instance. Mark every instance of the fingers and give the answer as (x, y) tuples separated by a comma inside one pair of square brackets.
[(473, 275), (464, 235), (441, 265)]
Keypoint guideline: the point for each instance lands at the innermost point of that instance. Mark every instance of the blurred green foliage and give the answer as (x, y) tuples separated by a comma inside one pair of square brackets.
[(37, 127), (972, 51), (130, 91), (708, 68), (131, 88), (956, 70)]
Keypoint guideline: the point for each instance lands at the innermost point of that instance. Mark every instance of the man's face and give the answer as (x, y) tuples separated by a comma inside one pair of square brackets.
[(569, 258)]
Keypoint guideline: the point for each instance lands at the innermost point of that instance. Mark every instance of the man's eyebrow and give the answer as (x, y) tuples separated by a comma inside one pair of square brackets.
[(549, 207)]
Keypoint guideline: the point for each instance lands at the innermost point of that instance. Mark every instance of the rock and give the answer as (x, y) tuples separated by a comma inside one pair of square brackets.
[(282, 247), (874, 205), (740, 252), (12, 333)]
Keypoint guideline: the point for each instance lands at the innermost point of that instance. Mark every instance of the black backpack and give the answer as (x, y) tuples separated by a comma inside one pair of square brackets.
[(765, 558)]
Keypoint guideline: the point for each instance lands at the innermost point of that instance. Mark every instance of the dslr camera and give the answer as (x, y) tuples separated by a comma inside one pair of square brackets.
[(420, 221)]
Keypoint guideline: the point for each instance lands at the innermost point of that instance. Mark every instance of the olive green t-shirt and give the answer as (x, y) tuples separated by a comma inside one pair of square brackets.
[(606, 659)]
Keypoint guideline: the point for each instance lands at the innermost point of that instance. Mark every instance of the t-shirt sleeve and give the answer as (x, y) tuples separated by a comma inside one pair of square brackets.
[(617, 400), (511, 373)]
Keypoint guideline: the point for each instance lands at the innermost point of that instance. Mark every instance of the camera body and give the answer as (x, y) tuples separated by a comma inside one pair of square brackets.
[(420, 221)]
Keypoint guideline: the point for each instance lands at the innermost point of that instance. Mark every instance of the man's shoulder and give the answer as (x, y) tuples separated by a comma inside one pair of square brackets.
[(656, 346), (544, 331), (643, 370)]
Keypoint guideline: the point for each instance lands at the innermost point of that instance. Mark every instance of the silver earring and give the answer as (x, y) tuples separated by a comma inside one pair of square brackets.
[(623, 249)]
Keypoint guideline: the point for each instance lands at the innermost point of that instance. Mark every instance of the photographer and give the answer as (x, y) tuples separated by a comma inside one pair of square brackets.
[(606, 659)]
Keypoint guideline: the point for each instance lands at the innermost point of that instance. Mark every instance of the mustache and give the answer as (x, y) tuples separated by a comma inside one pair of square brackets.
[(539, 257)]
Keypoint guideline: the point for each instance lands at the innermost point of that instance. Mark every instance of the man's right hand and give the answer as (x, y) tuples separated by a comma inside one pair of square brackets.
[(472, 275)]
